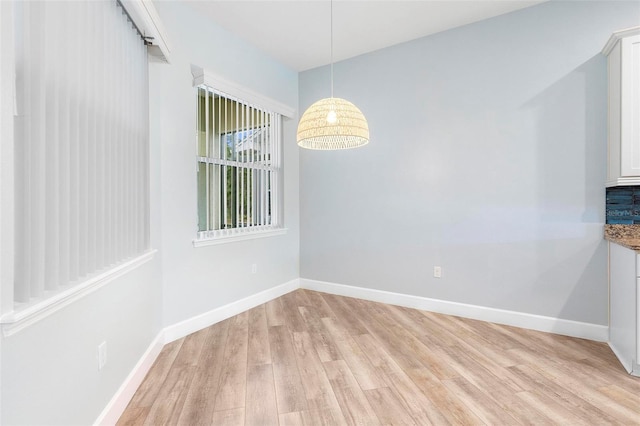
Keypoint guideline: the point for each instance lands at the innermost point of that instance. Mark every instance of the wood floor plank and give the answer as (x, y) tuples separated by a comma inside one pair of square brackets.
[(408, 351), (353, 402), (170, 401), (288, 384), (592, 403), (318, 415), (573, 399), (362, 369), (310, 358), (554, 410), (275, 314), (232, 388), (317, 388), (420, 407), (293, 418), (233, 417), (261, 406), (258, 350), (499, 388), (133, 416), (388, 407), (422, 323), (608, 373), (483, 406), (293, 319), (319, 304), (451, 407), (322, 342), (151, 386), (479, 374), (200, 399), (617, 395), (492, 343), (168, 405), (347, 318)]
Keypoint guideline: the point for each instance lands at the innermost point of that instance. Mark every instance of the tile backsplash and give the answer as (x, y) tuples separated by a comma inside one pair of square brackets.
[(623, 205)]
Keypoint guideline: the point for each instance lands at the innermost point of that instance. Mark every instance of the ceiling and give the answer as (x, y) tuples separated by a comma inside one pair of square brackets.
[(298, 32)]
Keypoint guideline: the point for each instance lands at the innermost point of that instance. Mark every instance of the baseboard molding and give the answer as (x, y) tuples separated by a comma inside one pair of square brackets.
[(627, 364), (120, 400), (582, 330), (191, 325)]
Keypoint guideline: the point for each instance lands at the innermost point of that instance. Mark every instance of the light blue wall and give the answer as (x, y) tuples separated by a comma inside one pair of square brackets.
[(197, 280), (487, 157), (50, 370)]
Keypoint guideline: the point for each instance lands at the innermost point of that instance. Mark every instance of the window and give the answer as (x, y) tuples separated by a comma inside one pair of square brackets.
[(81, 161), (239, 172)]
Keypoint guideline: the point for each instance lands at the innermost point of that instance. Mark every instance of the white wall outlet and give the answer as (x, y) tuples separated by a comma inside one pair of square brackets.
[(254, 269), (102, 355), (437, 272)]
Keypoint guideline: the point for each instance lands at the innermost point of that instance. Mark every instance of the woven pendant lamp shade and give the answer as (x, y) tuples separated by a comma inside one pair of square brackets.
[(332, 123)]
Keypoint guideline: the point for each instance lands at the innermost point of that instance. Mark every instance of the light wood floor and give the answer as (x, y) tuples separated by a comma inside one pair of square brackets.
[(312, 358)]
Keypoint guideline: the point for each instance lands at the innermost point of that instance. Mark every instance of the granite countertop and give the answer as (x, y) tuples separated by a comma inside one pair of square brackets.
[(625, 235)]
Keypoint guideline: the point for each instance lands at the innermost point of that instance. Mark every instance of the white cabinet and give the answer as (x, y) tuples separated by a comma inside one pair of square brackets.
[(623, 58), (624, 325)]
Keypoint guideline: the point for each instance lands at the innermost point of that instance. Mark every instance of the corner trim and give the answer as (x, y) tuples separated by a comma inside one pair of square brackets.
[(191, 325), (565, 327), (120, 400), (618, 35), (13, 322)]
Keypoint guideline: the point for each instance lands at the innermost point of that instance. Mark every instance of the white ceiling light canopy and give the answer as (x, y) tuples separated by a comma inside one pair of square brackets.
[(332, 123)]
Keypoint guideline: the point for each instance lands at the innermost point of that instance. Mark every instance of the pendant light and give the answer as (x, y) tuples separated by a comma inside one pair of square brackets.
[(332, 123)]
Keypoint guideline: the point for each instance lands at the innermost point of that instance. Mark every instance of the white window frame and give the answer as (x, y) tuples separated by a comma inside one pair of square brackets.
[(232, 90)]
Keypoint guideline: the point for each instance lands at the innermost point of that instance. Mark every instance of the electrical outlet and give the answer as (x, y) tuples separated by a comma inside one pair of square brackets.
[(102, 355), (437, 272), (254, 269)]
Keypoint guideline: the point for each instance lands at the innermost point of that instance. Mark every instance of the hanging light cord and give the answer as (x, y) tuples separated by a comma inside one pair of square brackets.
[(321, 128), (331, 20)]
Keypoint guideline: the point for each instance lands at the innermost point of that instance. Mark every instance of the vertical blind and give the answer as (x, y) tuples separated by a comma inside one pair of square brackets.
[(238, 166), (81, 140)]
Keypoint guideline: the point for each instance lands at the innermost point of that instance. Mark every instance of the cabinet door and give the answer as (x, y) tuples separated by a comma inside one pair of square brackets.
[(630, 105), (622, 304), (636, 366)]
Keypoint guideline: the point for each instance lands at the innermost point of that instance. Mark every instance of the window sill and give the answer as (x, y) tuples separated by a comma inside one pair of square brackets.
[(224, 239), (27, 314)]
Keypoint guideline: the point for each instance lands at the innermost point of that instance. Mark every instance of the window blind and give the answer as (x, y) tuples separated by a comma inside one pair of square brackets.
[(238, 158), (81, 144)]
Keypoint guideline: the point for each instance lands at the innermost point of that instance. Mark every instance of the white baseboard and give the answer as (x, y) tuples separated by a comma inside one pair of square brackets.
[(582, 330), (191, 325), (120, 400), (626, 363)]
